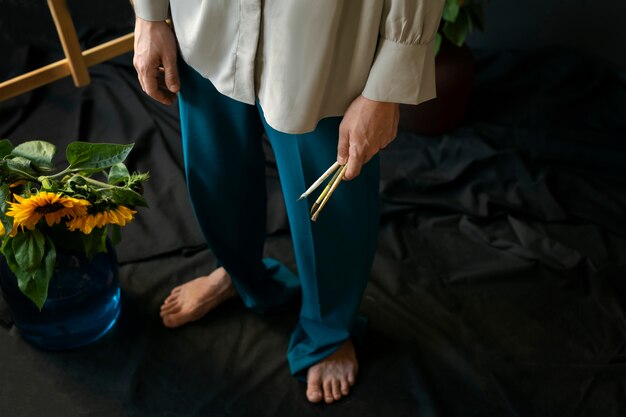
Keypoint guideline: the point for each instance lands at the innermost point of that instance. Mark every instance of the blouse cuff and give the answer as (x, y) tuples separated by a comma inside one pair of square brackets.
[(402, 73), (152, 10)]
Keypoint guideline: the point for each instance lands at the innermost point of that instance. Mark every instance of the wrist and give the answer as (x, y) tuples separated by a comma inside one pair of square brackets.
[(142, 21), (383, 104)]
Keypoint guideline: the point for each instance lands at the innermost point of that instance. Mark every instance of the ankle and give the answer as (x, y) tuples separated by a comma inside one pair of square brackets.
[(226, 284)]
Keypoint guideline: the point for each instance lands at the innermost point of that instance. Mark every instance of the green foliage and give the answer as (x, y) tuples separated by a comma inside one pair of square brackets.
[(459, 18), (7, 221), (5, 147), (118, 173), (27, 170), (39, 153), (32, 270), (96, 155), (95, 242), (28, 249)]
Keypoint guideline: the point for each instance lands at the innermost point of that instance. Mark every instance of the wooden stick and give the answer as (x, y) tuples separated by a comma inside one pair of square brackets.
[(332, 190), (69, 41), (319, 180), (110, 49), (57, 70)]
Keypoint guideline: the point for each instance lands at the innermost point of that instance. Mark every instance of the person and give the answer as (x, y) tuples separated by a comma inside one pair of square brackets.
[(323, 79)]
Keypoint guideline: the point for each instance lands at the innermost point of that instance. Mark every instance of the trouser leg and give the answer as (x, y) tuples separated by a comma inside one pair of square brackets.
[(334, 254), (225, 170)]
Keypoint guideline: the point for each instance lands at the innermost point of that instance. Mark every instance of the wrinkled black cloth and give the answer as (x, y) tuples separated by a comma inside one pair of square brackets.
[(498, 288)]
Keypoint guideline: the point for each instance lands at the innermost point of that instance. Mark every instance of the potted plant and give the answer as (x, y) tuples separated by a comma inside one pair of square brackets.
[(59, 270), (455, 71)]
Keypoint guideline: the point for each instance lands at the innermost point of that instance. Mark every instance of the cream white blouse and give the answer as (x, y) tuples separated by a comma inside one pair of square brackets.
[(307, 59)]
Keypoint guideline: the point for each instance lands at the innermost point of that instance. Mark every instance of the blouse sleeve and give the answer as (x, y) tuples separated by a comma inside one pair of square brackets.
[(153, 10), (403, 70)]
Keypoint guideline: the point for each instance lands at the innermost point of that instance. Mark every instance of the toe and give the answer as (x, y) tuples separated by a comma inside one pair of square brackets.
[(314, 386), (328, 391), (336, 389), (172, 298), (171, 310), (350, 377), (173, 320), (170, 306), (345, 386)]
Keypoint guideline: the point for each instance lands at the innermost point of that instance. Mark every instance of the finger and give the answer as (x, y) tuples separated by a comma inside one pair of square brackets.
[(155, 88), (171, 74), (369, 155), (149, 77), (355, 161), (343, 146), (163, 96)]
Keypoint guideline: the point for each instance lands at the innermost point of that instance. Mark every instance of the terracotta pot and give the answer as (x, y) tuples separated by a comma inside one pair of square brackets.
[(455, 69)]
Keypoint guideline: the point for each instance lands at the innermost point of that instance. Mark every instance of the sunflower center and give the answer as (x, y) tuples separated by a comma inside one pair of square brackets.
[(49, 208)]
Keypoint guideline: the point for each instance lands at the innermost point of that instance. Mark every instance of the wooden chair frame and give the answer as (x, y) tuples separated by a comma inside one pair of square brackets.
[(75, 62)]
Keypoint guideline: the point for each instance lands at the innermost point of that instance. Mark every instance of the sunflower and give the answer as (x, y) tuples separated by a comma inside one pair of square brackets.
[(1, 230), (120, 215), (27, 212)]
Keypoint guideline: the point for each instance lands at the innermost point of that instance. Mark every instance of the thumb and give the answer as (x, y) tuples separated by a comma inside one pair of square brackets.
[(343, 147)]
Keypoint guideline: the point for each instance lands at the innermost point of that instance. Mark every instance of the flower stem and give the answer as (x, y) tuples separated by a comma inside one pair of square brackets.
[(59, 174), (27, 175), (101, 184)]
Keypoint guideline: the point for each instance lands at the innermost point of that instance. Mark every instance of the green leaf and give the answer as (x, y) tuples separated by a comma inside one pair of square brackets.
[(5, 193), (116, 234), (457, 31), (83, 155), (34, 286), (19, 165), (7, 250), (118, 173), (40, 153), (95, 242), (476, 14), (28, 248), (38, 289), (7, 221), (5, 148), (127, 197), (451, 10), (438, 39)]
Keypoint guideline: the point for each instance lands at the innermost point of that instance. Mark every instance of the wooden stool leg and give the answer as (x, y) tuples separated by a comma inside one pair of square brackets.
[(69, 40)]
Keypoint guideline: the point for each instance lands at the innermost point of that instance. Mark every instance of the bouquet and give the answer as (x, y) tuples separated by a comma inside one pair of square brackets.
[(77, 207)]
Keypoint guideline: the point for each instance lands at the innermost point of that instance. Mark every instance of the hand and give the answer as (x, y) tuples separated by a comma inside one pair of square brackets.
[(367, 127), (155, 60)]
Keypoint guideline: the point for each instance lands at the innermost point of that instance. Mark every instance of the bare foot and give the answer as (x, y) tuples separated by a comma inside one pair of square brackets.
[(332, 378), (192, 300)]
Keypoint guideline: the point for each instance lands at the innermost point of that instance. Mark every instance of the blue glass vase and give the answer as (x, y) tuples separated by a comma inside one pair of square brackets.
[(83, 301)]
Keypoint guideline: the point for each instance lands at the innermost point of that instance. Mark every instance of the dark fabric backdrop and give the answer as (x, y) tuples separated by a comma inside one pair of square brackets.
[(498, 287)]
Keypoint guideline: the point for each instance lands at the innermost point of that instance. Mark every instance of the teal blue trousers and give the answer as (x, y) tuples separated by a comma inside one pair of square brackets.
[(225, 170)]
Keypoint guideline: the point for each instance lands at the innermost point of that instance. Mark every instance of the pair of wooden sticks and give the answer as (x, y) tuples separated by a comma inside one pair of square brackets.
[(328, 190)]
